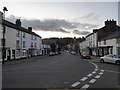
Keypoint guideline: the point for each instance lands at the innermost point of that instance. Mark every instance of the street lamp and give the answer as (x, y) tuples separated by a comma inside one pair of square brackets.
[(3, 40)]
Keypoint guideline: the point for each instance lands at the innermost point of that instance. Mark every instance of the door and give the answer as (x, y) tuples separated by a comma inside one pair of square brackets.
[(8, 55), (13, 54)]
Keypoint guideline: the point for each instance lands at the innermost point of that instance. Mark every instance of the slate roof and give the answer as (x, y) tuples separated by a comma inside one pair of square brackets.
[(12, 25)]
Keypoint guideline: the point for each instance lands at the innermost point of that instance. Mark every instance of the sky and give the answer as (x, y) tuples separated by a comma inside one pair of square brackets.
[(65, 18)]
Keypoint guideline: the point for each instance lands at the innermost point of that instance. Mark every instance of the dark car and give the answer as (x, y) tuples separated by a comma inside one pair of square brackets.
[(85, 56)]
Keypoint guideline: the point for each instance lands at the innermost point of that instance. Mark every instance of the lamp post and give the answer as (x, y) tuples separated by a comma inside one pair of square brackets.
[(3, 40)]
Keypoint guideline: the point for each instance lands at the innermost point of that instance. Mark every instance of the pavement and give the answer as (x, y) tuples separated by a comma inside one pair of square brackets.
[(18, 61), (95, 58)]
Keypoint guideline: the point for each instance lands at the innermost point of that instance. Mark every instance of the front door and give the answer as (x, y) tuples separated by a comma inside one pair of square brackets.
[(13, 54), (8, 54)]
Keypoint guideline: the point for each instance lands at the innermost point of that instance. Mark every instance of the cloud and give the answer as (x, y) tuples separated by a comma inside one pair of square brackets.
[(87, 26), (49, 25), (81, 32), (91, 18), (57, 25)]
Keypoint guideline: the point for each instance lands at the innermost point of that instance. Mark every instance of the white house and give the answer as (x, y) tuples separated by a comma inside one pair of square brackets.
[(109, 46), (109, 38), (105, 40), (82, 46), (91, 43), (21, 42)]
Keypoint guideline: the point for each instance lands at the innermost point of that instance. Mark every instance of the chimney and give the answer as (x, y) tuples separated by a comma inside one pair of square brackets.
[(30, 29), (18, 22), (110, 22), (95, 30)]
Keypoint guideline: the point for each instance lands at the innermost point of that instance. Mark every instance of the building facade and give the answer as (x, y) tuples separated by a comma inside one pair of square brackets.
[(82, 46), (105, 40), (21, 42), (91, 43), (109, 38)]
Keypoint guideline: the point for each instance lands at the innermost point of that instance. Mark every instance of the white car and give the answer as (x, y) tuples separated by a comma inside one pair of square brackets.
[(111, 58)]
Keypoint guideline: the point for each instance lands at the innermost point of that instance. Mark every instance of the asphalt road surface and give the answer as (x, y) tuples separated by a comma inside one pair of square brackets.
[(65, 71)]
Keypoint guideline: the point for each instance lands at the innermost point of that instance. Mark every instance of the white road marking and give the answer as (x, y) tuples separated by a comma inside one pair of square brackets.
[(86, 86), (112, 71), (92, 81), (96, 67), (89, 75), (83, 79), (101, 73), (98, 76), (94, 72), (75, 84)]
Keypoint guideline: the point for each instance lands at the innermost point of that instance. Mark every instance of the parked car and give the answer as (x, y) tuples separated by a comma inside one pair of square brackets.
[(111, 58), (56, 53), (51, 54), (85, 56), (73, 52), (59, 52)]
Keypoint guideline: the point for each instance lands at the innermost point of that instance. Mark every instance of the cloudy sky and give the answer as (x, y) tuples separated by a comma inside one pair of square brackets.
[(61, 19)]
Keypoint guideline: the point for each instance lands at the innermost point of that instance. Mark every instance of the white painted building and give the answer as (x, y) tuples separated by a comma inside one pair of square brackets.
[(105, 40), (21, 42), (110, 46), (82, 46), (109, 38), (91, 43)]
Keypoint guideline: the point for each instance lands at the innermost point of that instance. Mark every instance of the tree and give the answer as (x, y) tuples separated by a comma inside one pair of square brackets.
[(53, 47)]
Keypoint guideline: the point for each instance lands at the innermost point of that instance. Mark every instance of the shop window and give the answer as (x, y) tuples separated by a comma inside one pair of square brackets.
[(104, 42)]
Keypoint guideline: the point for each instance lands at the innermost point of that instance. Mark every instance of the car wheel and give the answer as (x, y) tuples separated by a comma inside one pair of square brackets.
[(102, 60), (117, 62)]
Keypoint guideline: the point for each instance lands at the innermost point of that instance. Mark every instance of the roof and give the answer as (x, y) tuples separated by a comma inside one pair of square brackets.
[(12, 25), (89, 34), (105, 33)]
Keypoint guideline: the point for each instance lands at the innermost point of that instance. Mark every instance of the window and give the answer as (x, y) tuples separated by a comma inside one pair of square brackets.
[(100, 43), (118, 49), (31, 37), (17, 53), (104, 42), (17, 43), (24, 46), (3, 29), (18, 33), (118, 41), (35, 45), (35, 38), (2, 42), (31, 44), (23, 34), (24, 53)]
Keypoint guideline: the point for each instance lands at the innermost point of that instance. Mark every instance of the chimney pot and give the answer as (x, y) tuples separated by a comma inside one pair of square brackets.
[(30, 29), (18, 22)]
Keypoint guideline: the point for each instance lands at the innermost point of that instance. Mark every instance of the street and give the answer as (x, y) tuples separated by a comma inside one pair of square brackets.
[(60, 71)]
